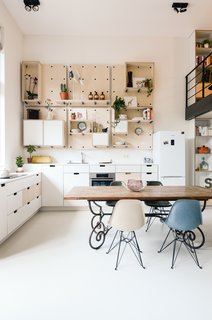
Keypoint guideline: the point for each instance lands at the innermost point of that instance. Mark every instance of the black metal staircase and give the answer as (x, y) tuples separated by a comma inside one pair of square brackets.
[(199, 89)]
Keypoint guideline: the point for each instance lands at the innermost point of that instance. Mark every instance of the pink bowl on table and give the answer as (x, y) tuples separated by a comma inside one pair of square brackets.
[(135, 185)]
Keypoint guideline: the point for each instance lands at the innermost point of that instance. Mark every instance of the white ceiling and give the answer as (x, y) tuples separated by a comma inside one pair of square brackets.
[(111, 17)]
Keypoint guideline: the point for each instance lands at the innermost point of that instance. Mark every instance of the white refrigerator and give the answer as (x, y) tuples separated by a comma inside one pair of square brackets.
[(169, 154)]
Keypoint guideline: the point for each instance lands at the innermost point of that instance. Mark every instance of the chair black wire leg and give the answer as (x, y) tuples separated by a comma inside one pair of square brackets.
[(138, 250), (119, 248), (163, 247), (192, 252), (111, 246)]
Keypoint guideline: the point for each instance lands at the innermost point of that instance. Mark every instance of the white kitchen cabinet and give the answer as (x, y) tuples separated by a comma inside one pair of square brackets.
[(52, 185), (100, 139), (3, 212), (126, 172), (44, 132), (149, 172), (23, 198), (74, 179), (33, 132), (53, 133)]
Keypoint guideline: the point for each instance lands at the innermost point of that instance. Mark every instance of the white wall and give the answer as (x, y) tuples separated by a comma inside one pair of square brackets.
[(13, 50), (170, 56)]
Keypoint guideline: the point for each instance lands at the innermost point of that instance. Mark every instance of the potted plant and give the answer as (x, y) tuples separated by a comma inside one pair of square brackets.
[(206, 43), (148, 85), (19, 164), (118, 105), (30, 150), (63, 91)]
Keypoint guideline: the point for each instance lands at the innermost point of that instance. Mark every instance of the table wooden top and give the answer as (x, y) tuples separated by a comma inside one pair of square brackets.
[(148, 193)]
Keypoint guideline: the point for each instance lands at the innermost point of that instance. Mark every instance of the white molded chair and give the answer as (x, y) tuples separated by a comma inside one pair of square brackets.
[(127, 217)]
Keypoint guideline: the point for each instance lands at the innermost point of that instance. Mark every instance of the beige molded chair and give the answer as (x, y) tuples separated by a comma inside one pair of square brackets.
[(127, 217)]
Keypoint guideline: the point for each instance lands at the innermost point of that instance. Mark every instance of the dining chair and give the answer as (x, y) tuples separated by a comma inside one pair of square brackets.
[(184, 217), (158, 209), (127, 217), (112, 203)]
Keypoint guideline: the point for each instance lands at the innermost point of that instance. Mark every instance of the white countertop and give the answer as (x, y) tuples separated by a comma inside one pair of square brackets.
[(14, 176)]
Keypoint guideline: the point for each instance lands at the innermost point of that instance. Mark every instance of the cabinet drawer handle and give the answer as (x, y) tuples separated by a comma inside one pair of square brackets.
[(149, 165), (102, 165), (128, 172), (3, 185), (15, 194), (76, 172), (148, 172), (15, 211), (52, 165)]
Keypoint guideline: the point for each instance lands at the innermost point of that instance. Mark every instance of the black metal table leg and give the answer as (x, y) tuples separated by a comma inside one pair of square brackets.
[(99, 229)]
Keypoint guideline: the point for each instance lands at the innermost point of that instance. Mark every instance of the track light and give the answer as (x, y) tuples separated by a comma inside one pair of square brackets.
[(180, 6), (31, 5)]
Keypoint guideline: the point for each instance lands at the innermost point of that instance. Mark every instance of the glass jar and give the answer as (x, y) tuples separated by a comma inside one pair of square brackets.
[(203, 164)]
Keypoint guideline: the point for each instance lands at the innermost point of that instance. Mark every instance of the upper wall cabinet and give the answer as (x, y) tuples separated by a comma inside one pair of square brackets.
[(31, 82)]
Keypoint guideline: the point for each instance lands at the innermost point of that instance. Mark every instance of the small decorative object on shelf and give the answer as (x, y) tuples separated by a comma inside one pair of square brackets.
[(63, 91), (96, 96), (206, 43), (90, 96), (19, 164), (102, 96), (203, 165), (30, 150), (203, 149), (118, 105), (129, 81), (49, 109), (32, 83), (73, 116)]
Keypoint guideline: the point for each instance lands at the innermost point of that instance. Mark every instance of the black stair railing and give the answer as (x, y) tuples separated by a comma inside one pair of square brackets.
[(199, 81)]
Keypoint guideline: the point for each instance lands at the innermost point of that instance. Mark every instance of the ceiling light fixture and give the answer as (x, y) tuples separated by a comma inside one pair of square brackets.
[(31, 5), (180, 6)]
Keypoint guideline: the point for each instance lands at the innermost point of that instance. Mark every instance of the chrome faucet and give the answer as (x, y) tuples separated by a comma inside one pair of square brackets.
[(82, 157)]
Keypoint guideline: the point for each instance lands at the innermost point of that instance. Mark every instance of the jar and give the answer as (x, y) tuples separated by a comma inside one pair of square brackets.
[(203, 165), (90, 96), (102, 96), (73, 116), (96, 96)]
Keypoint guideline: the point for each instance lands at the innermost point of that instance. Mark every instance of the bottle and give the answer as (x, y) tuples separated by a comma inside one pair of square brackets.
[(102, 96), (148, 114), (90, 96), (96, 96), (203, 164)]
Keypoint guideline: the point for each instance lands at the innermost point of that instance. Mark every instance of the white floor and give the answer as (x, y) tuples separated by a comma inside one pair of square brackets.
[(49, 272)]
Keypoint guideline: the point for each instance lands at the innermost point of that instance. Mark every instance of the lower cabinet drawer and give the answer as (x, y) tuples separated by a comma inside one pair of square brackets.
[(149, 176), (14, 202), (15, 219)]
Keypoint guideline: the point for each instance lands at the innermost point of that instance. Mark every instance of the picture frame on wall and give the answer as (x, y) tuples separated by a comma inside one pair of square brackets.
[(130, 101), (138, 82)]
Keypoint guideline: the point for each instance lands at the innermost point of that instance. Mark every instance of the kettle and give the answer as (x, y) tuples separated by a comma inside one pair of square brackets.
[(4, 173)]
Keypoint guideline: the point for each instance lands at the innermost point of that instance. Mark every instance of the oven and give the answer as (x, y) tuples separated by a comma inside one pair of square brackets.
[(101, 179)]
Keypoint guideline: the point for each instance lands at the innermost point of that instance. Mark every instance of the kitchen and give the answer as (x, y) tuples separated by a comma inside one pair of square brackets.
[(38, 267)]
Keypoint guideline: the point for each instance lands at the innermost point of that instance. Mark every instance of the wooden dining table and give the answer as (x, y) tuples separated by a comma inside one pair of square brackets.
[(97, 195)]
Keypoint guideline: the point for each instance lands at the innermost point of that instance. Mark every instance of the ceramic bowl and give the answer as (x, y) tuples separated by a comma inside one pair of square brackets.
[(135, 185)]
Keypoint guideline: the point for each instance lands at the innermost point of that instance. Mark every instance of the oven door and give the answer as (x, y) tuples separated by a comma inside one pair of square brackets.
[(101, 179)]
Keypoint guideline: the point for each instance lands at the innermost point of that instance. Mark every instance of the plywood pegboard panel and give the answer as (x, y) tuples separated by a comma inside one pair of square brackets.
[(132, 140), (52, 76), (89, 78), (91, 116)]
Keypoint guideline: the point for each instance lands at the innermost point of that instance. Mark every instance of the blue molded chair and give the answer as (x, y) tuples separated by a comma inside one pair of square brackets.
[(158, 209), (184, 217)]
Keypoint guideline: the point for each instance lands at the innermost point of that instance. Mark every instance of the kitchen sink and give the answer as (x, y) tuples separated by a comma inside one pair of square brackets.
[(18, 175)]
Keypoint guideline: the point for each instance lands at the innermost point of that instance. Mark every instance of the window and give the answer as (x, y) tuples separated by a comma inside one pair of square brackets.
[(2, 103)]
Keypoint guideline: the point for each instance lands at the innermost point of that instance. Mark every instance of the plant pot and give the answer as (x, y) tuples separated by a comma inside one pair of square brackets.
[(64, 95), (20, 169), (29, 160)]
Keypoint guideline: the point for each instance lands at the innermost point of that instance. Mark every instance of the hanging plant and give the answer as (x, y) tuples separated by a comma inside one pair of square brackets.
[(118, 105)]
